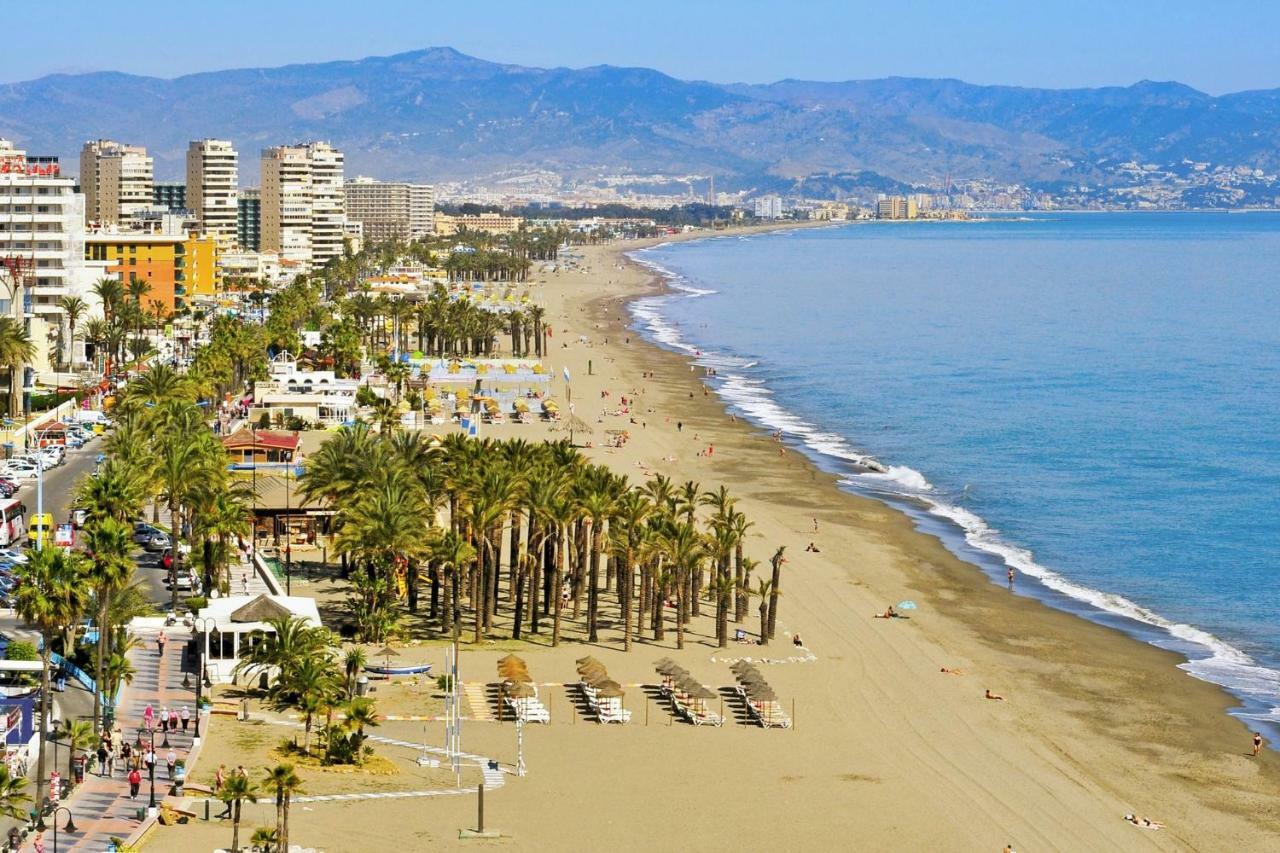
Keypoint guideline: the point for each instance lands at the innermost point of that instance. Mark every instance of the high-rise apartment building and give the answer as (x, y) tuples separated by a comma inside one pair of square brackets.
[(211, 187), (768, 207), (170, 196), (390, 210), (302, 202), (116, 180), (896, 207), (42, 237), (249, 219)]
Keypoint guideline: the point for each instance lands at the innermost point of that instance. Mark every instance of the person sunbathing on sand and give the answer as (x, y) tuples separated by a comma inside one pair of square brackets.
[(812, 548), (1143, 822), (888, 614), (995, 696), (950, 671)]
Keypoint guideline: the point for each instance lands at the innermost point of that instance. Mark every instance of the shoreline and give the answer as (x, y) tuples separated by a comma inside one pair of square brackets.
[(958, 585), (958, 529)]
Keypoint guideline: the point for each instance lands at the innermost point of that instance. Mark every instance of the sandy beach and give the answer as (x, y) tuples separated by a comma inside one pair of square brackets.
[(888, 752)]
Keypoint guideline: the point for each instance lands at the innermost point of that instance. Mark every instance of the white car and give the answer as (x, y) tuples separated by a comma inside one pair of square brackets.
[(53, 456), (21, 469)]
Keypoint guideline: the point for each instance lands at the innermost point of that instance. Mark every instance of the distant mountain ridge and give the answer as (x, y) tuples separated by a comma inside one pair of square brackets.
[(438, 114)]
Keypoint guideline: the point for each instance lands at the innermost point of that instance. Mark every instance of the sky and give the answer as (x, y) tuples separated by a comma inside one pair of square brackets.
[(1217, 47)]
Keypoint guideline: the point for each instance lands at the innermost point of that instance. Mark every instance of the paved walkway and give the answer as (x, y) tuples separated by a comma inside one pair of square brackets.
[(101, 806)]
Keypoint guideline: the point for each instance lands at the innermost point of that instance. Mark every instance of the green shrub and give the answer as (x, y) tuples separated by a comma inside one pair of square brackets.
[(196, 603), (21, 650), (444, 683), (264, 421)]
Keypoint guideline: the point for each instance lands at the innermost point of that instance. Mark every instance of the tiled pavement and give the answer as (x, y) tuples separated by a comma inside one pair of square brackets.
[(101, 806)]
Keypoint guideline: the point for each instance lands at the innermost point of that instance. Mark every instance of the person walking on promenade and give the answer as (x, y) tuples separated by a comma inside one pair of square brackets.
[(135, 780), (149, 759), (173, 720), (186, 718), (171, 759), (160, 641), (102, 759), (148, 717)]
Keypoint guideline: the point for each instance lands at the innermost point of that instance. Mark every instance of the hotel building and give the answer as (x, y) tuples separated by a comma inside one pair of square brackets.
[(302, 203), (390, 210), (42, 232), (211, 187), (116, 180)]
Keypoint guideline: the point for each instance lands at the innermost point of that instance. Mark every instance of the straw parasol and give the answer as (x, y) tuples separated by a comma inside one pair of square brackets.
[(388, 653), (585, 661), (609, 689), (517, 689)]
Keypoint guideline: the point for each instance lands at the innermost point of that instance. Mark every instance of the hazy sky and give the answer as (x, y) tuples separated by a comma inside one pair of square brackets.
[(1218, 46)]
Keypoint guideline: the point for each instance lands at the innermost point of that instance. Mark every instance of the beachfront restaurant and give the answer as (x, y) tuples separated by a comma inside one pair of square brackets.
[(282, 517), (250, 448), (496, 387), (230, 626)]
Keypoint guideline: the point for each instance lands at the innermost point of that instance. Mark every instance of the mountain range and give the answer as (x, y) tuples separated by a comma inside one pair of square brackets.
[(437, 114)]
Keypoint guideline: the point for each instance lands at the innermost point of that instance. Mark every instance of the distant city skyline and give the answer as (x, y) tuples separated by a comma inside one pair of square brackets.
[(1222, 47)]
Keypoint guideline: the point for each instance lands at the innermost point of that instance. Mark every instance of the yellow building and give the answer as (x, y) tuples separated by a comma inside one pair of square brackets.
[(175, 265)]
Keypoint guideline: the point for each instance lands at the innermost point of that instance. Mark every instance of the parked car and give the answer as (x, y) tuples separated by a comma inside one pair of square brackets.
[(158, 541), (20, 469), (142, 532), (53, 456), (7, 487), (187, 582), (74, 441)]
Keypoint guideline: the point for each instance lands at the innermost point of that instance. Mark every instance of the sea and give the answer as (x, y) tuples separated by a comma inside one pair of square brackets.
[(1092, 399)]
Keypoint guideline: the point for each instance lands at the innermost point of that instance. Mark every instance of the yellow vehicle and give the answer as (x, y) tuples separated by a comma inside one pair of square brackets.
[(41, 527)]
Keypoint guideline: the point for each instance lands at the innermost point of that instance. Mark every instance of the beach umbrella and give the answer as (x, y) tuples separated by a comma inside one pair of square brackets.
[(509, 659), (388, 653), (586, 660), (518, 689), (906, 605), (609, 689)]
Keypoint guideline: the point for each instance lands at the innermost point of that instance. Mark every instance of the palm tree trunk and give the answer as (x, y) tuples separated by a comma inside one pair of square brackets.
[(99, 666), (516, 623), (624, 600), (235, 829), (680, 607), (44, 716), (774, 592), (284, 826), (764, 622), (593, 581), (557, 583)]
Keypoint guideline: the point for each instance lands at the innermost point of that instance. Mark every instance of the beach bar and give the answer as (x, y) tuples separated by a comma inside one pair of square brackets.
[(231, 625)]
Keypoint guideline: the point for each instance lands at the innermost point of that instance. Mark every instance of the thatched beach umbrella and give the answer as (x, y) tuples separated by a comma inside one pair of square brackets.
[(584, 661), (388, 653), (609, 690), (509, 660), (517, 689)]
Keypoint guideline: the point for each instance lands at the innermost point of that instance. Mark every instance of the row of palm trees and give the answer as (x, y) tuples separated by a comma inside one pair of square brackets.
[(533, 533)]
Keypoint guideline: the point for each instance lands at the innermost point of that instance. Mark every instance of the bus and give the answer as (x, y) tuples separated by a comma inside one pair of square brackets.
[(13, 522)]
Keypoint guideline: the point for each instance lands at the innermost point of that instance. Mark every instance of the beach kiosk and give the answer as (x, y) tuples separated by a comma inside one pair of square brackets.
[(231, 625)]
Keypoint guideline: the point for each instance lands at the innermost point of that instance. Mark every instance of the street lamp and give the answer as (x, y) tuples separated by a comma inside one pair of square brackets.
[(202, 625), (70, 827), (151, 767)]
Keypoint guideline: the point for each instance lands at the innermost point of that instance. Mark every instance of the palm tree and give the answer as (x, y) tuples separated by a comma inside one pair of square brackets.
[(50, 596), (78, 735), (13, 795), (352, 663), (16, 350), (109, 545), (775, 586), (234, 791), (765, 592), (95, 332), (74, 308), (360, 714), (452, 554), (287, 783), (263, 839)]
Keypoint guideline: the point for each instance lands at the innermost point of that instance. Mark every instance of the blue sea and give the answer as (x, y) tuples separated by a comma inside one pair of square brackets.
[(1092, 399)]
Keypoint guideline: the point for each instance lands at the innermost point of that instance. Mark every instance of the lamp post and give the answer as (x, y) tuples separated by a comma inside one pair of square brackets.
[(151, 771), (202, 625), (70, 826), (288, 533)]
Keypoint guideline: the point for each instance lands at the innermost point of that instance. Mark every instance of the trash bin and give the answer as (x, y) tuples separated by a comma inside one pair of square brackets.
[(362, 685)]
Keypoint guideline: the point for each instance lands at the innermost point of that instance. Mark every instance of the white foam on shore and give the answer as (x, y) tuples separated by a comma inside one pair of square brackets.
[(1223, 664)]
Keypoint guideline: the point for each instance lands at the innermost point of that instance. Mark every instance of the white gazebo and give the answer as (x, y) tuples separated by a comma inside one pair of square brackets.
[(235, 622)]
